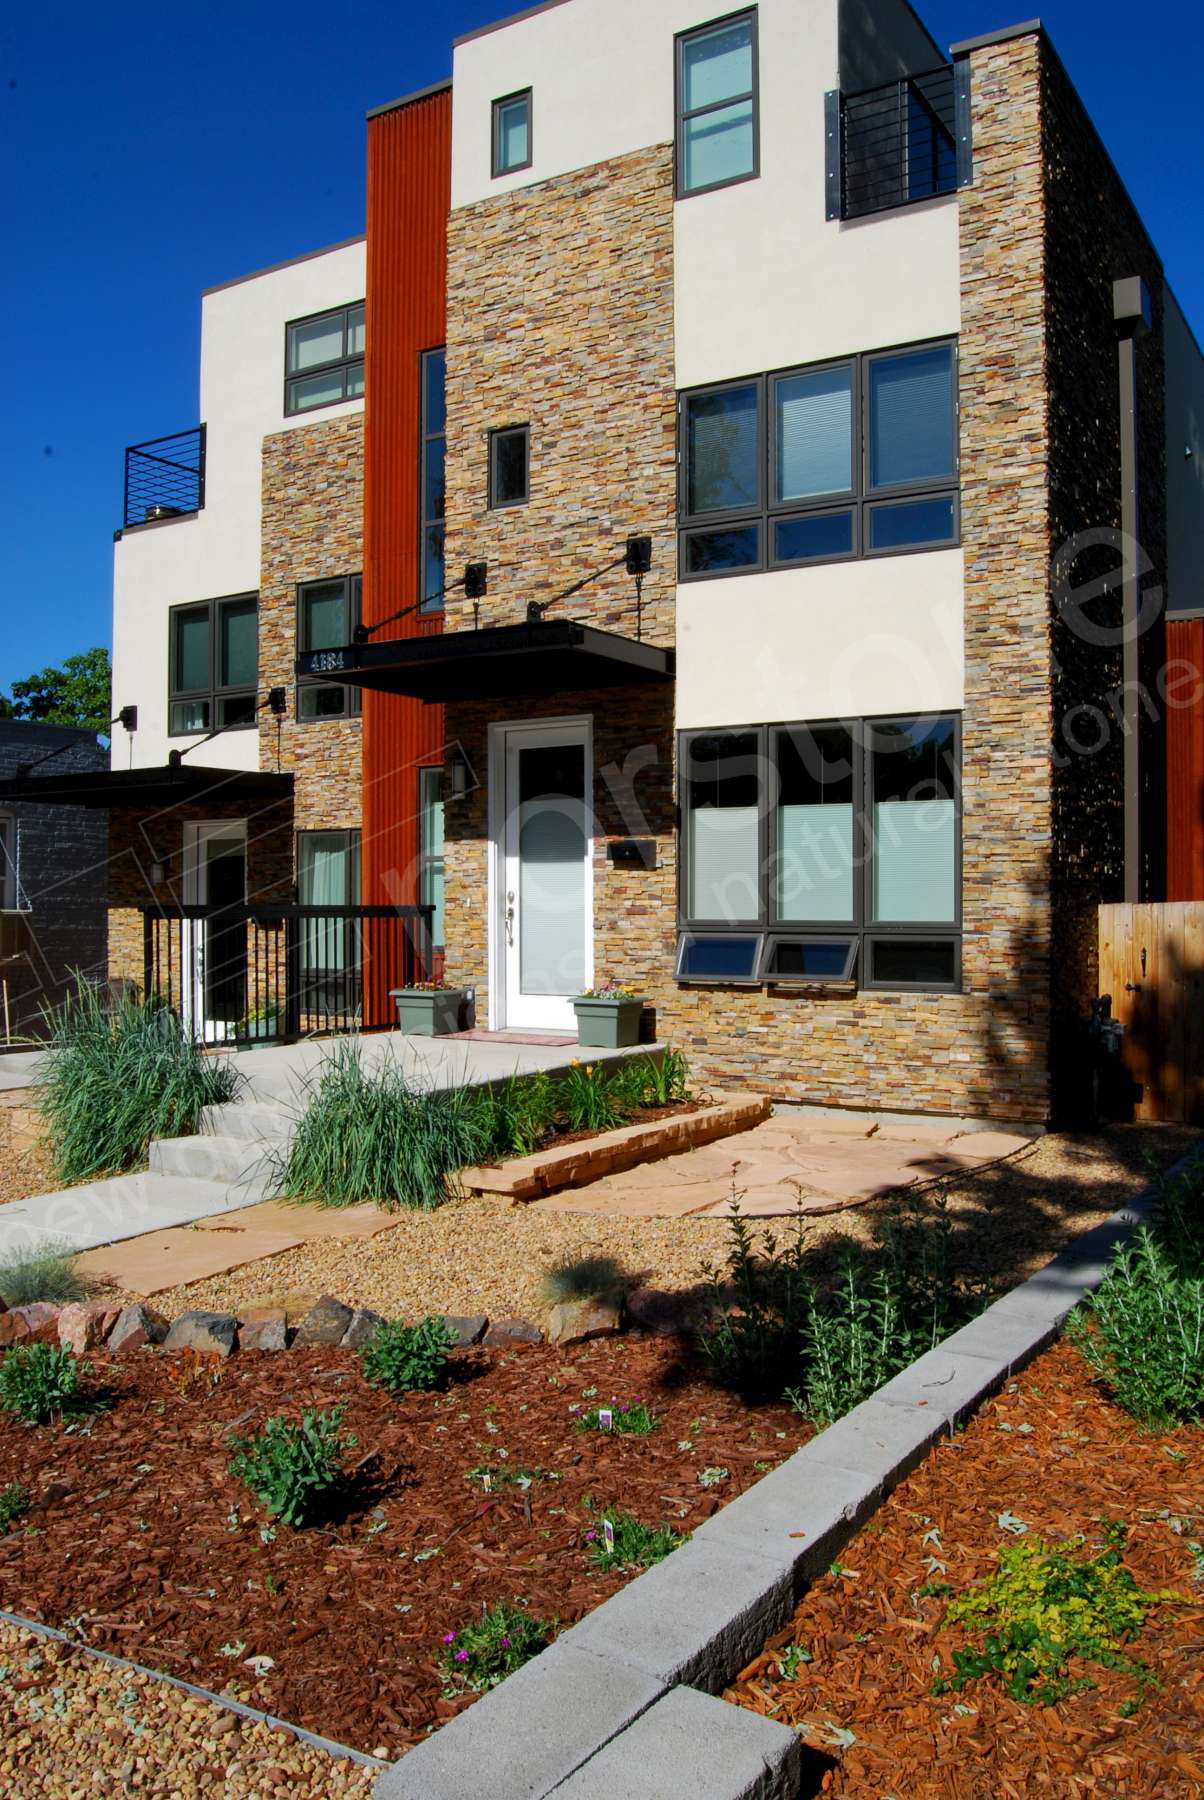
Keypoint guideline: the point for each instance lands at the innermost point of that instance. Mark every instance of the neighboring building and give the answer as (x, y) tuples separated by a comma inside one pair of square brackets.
[(52, 872), (869, 353)]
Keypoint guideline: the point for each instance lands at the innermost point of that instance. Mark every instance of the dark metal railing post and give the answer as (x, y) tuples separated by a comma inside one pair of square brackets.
[(148, 952), (292, 975)]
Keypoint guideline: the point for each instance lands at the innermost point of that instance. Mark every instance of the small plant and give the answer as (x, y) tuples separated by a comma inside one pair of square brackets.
[(195, 1372), (1142, 1332), (14, 1504), (408, 1358), (757, 1347), (47, 1273), (712, 1476), (590, 1099), (122, 1072), (40, 1382), (581, 1278), (667, 1080), (610, 990), (516, 1117), (1047, 1604), (627, 1418), (292, 1468), (791, 1659), (630, 1544), (484, 1652), (369, 1135), (498, 1475)]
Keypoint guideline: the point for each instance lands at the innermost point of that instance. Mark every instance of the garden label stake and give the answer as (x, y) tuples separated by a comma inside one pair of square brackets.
[(608, 1536), (606, 1419)]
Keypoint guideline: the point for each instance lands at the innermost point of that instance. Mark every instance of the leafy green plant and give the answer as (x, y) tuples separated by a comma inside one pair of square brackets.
[(408, 1358), (517, 1116), (14, 1504), (630, 1544), (1142, 1332), (854, 1341), (590, 1099), (120, 1073), (627, 1418), (290, 1468), (40, 1382), (757, 1347), (581, 1278), (1048, 1604), (485, 1651), (666, 1080), (369, 1135), (46, 1273)]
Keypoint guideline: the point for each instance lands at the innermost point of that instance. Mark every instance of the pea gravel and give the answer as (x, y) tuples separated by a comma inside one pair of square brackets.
[(72, 1728)]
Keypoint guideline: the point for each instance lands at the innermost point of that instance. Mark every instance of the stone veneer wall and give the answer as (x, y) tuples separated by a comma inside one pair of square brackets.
[(313, 512)]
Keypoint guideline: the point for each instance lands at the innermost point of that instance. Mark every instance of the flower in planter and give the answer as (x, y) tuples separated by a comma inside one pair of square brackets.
[(610, 990)]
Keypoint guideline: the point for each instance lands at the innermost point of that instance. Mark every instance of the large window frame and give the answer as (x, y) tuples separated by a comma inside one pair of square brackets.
[(682, 117), (863, 931), (431, 522), (862, 500), (431, 847), (497, 165), (498, 503), (8, 862), (348, 365), (222, 701), (318, 700)]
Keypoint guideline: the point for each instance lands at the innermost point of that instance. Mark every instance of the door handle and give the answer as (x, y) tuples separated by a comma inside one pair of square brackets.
[(510, 918)]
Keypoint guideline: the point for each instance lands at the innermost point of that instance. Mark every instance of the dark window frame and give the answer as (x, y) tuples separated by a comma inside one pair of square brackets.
[(10, 885), (215, 692), (353, 586), (863, 928), (859, 501), (344, 363), (496, 170), (681, 116), (430, 865), (426, 437), (499, 432)]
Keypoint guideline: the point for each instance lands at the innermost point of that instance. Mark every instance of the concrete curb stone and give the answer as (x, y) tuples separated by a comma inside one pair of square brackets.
[(688, 1745)]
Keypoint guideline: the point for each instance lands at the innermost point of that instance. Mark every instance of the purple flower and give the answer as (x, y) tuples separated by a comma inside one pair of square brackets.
[(590, 1536), (449, 1637), (505, 1643), (461, 1656)]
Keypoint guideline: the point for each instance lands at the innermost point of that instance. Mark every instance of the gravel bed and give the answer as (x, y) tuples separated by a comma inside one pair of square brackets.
[(24, 1169), (72, 1727), (477, 1255)]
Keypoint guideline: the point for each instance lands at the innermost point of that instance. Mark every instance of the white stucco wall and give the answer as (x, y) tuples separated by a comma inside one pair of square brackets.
[(842, 640), (217, 552)]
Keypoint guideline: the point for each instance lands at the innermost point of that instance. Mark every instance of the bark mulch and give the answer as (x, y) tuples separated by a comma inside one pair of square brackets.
[(143, 1538), (1053, 1453)]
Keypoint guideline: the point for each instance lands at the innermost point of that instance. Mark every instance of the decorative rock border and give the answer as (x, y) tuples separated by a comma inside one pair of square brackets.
[(620, 1703), (524, 1178)]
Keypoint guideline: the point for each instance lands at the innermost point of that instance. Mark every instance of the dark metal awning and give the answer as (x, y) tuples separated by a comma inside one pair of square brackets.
[(167, 785), (532, 658)]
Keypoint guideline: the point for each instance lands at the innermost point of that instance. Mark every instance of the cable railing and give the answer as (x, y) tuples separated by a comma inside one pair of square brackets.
[(897, 145)]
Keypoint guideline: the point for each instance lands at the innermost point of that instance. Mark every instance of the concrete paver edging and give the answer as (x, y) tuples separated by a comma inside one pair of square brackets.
[(621, 1704)]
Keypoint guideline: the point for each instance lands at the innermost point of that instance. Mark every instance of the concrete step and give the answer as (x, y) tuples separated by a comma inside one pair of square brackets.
[(106, 1212), (245, 1167), (252, 1121)]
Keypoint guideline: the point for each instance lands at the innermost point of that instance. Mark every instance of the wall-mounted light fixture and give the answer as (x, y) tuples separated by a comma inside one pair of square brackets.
[(459, 773)]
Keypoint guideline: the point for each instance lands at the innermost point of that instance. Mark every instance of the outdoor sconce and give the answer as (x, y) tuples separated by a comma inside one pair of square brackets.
[(127, 718), (158, 872), (458, 774), (277, 702)]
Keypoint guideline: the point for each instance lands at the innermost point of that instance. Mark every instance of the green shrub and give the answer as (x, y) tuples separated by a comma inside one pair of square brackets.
[(757, 1348), (484, 1652), (40, 1382), (1142, 1332), (1046, 1605), (517, 1116), (667, 1080), (291, 1469), (408, 1358), (14, 1504), (634, 1545), (370, 1136), (121, 1072), (581, 1278), (628, 1418), (591, 1099), (47, 1273)]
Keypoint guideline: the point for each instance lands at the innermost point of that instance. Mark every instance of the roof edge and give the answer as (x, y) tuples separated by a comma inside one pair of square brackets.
[(1003, 36), (422, 93), (289, 262), (528, 12)]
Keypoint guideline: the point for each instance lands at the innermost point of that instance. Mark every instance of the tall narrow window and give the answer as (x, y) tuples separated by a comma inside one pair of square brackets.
[(328, 877), (430, 848), (213, 655), (434, 463), (324, 359), (816, 853), (717, 104), (8, 862), (512, 145), (723, 868), (913, 821), (509, 466), (327, 615)]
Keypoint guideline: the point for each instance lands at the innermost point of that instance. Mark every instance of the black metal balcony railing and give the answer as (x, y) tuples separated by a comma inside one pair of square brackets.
[(165, 477), (264, 973), (893, 145)]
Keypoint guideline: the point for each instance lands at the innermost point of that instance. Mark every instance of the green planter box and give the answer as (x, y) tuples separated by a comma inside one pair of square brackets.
[(608, 1024), (428, 1012)]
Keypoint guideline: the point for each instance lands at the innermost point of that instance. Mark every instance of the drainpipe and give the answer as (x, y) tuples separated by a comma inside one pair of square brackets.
[(1132, 313)]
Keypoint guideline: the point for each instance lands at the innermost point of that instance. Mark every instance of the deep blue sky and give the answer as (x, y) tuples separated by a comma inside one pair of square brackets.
[(149, 151)]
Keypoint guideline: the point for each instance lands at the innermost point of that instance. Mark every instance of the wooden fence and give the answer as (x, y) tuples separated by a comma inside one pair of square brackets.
[(1151, 961)]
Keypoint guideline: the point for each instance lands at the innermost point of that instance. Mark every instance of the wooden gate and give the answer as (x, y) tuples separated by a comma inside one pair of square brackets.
[(1151, 961)]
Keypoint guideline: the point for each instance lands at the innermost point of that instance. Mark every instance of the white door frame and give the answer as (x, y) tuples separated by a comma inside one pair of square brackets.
[(501, 733), (195, 888)]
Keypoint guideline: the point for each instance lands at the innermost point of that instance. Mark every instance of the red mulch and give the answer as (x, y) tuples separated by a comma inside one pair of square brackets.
[(1057, 1454), (134, 1536)]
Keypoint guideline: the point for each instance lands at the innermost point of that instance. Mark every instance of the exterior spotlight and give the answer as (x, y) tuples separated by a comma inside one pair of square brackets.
[(476, 580), (278, 702), (128, 718), (639, 555)]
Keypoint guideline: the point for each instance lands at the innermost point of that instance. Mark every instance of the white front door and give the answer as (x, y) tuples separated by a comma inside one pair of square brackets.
[(544, 915), (215, 948)]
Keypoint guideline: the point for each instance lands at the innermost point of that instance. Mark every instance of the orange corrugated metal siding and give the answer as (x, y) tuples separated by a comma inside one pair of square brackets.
[(409, 195), (1184, 760)]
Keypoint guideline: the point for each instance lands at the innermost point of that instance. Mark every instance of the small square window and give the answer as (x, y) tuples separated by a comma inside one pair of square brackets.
[(324, 359), (809, 960), (512, 134), (720, 959), (327, 615), (509, 471), (912, 963)]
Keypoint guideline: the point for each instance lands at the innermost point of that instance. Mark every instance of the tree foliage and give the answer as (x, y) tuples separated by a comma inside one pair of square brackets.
[(77, 694)]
